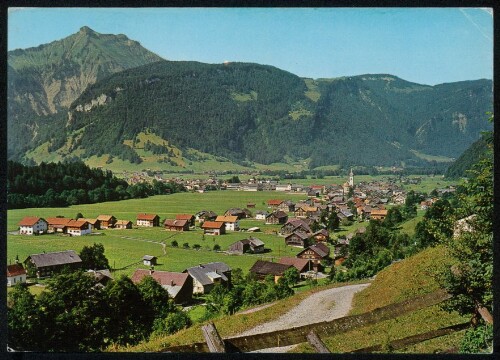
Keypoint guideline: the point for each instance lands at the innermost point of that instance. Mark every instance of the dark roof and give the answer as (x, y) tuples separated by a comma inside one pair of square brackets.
[(300, 234), (319, 248), (55, 258), (269, 268), (278, 214), (200, 272), (322, 232), (300, 264)]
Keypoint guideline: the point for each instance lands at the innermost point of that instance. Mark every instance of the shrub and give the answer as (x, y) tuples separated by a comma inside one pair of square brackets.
[(174, 244)]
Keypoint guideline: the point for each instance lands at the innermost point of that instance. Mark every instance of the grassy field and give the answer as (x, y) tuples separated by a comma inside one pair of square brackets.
[(126, 247)]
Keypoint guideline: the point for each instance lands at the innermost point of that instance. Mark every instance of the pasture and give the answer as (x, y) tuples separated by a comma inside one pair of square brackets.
[(127, 247)]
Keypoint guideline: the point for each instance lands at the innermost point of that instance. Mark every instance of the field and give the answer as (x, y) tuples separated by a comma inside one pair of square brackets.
[(126, 247)]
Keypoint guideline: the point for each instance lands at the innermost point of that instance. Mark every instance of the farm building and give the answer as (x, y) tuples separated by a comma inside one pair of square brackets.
[(321, 236), (287, 206), (123, 224), (262, 268), (213, 228), (240, 213), (48, 263), (107, 221), (149, 260), (32, 225), (316, 253), (251, 244), (298, 238), (15, 274), (57, 224), (176, 225), (274, 203), (205, 276), (178, 285), (148, 220), (95, 224), (102, 277), (190, 218), (231, 223), (302, 265), (378, 214), (294, 225), (78, 228), (205, 215), (261, 214), (277, 217)]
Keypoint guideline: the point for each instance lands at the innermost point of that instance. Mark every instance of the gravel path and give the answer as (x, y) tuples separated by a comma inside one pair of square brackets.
[(325, 305)]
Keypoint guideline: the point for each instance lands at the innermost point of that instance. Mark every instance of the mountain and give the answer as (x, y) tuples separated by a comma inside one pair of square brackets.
[(46, 79), (183, 112), (478, 150)]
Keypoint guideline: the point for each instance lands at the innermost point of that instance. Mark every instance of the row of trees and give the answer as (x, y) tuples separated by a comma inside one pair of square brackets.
[(73, 314), (72, 183)]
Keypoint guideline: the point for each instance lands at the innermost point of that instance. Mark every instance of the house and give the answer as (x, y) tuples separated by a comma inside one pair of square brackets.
[(305, 211), (321, 236), (205, 215), (95, 224), (102, 277), (78, 228), (178, 285), (15, 274), (57, 224), (277, 217), (148, 220), (297, 238), (345, 214), (240, 213), (378, 214), (294, 225), (316, 253), (274, 203), (251, 244), (262, 268), (48, 263), (32, 225), (213, 228), (176, 225), (250, 205), (149, 260), (190, 218), (107, 221), (261, 214), (302, 265), (123, 224), (205, 276), (287, 206), (231, 223), (283, 187)]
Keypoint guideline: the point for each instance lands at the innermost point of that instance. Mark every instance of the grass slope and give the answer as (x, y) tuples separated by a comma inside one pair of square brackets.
[(398, 282)]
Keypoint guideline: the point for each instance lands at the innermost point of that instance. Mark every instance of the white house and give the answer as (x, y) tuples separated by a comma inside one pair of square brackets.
[(230, 222), (15, 274), (79, 227), (32, 225), (261, 214)]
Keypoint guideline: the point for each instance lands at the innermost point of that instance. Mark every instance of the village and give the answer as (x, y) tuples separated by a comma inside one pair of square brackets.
[(301, 224)]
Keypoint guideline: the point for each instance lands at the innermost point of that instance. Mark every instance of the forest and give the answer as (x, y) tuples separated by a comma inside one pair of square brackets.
[(72, 183)]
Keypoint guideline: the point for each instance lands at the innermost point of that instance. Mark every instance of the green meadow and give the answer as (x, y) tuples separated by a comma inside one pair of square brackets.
[(125, 248)]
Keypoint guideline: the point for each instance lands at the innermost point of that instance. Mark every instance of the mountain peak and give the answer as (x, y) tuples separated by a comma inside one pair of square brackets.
[(86, 30)]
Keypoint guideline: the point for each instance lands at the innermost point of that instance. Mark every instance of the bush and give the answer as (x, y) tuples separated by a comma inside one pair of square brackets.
[(216, 247), (174, 244), (172, 323), (478, 339), (197, 246), (185, 245)]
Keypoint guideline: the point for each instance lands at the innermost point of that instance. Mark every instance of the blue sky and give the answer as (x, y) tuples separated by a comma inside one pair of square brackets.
[(423, 45)]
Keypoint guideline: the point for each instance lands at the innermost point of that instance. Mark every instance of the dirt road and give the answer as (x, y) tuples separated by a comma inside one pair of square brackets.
[(325, 305)]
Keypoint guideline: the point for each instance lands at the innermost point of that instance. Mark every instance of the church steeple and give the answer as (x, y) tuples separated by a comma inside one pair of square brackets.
[(351, 179)]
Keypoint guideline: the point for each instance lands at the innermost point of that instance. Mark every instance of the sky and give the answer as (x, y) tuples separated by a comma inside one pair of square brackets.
[(423, 45)]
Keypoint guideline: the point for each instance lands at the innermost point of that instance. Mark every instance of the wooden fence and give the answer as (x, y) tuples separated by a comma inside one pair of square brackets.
[(308, 333)]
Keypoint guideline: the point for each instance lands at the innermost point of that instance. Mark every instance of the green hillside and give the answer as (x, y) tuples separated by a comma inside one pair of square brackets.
[(46, 79), (471, 156)]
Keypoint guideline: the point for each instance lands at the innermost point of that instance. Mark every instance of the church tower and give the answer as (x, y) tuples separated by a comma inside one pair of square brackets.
[(351, 179)]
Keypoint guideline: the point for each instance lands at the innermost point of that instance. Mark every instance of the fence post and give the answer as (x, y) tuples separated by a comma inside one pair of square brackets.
[(213, 339), (317, 343)]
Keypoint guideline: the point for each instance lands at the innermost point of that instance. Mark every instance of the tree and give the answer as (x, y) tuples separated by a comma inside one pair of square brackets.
[(216, 247), (156, 297), (93, 257), (79, 215), (23, 320), (291, 276)]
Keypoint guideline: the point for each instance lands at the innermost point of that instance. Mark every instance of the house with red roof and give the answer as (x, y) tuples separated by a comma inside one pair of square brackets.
[(78, 228), (32, 225), (15, 274), (176, 225), (213, 228), (57, 224), (148, 220), (190, 218)]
